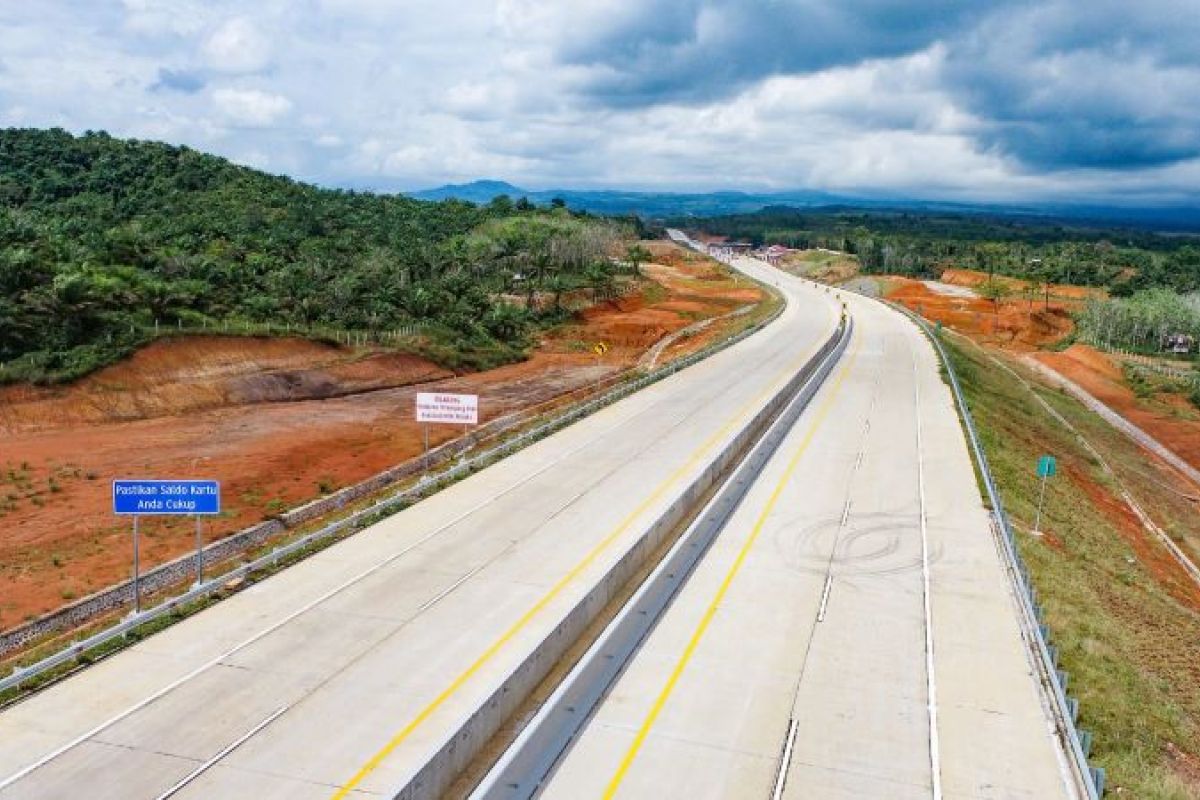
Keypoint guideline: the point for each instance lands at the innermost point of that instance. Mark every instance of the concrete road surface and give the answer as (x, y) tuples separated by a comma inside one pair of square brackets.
[(343, 674), (851, 633)]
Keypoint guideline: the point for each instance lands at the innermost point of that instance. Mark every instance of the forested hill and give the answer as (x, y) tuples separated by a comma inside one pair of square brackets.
[(104, 240)]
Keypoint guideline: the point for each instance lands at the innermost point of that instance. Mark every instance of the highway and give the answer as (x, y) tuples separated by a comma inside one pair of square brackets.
[(343, 676), (851, 633)]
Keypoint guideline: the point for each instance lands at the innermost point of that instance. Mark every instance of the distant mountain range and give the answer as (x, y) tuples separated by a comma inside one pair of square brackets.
[(647, 204), (664, 205)]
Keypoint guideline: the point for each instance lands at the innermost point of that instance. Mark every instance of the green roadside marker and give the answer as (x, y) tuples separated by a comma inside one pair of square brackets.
[(1046, 468)]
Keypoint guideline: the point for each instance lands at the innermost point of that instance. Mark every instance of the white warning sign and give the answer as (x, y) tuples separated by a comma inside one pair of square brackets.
[(457, 409)]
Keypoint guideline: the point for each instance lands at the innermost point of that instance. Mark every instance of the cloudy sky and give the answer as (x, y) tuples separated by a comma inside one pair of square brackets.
[(964, 99)]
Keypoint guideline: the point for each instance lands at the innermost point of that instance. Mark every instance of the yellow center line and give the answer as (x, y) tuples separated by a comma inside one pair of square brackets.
[(660, 701), (373, 763)]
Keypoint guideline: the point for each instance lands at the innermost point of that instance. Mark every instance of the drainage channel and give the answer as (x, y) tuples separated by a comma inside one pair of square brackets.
[(523, 767)]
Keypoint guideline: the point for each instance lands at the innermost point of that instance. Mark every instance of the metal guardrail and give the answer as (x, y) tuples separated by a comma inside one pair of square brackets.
[(1077, 741), (526, 763), (359, 519)]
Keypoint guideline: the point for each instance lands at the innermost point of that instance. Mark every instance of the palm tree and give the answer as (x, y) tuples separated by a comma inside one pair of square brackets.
[(637, 255), (1032, 290)]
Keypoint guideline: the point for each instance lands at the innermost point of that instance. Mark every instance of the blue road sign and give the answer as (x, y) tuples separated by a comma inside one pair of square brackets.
[(1046, 467), (186, 497)]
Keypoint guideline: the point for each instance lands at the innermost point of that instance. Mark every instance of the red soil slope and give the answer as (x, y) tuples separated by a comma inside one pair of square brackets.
[(1017, 323), (190, 374), (1173, 421), (278, 421)]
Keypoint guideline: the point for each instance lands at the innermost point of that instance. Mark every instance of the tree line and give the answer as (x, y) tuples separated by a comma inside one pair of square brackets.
[(921, 244), (1151, 320), (102, 240)]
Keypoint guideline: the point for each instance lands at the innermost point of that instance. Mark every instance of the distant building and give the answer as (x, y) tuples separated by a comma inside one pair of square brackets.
[(1180, 343), (729, 249), (774, 253)]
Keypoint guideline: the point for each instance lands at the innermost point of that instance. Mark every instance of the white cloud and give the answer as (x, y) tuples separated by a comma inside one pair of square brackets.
[(249, 107), (161, 17), (407, 94), (237, 46)]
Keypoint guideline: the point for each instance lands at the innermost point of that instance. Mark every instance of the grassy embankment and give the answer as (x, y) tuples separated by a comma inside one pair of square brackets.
[(1126, 622), (822, 265)]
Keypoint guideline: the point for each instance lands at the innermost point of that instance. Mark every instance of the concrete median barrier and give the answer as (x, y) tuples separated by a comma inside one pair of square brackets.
[(475, 731)]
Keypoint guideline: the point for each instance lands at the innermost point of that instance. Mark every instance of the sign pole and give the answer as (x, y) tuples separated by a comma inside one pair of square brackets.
[(1045, 469), (137, 598), (139, 497), (199, 553), (1037, 524), (444, 408)]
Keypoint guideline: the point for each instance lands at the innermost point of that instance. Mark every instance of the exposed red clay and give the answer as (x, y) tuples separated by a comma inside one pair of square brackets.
[(279, 421)]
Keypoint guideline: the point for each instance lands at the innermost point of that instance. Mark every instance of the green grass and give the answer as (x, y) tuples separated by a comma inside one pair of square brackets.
[(655, 293), (1132, 648), (818, 265)]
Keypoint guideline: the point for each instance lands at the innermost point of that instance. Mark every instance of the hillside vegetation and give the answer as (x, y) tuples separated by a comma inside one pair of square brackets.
[(105, 241), (923, 244), (1143, 321), (1124, 616)]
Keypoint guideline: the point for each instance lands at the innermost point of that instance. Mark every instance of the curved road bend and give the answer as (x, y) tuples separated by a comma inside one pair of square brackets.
[(343, 674), (857, 581)]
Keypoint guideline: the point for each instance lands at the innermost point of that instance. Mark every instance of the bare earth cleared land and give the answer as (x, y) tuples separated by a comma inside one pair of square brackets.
[(280, 422)]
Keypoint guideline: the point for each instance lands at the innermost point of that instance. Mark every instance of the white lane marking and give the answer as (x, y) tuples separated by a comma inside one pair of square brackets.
[(442, 594), (603, 435), (825, 598), (786, 758), (841, 527), (858, 460), (935, 765), (300, 611), (781, 776), (200, 770)]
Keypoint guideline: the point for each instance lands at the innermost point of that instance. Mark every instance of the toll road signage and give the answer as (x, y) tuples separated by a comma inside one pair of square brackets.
[(186, 497), (457, 409), (1046, 467)]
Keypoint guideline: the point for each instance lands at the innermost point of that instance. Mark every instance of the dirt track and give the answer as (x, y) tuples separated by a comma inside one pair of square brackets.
[(278, 421), (1170, 420)]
